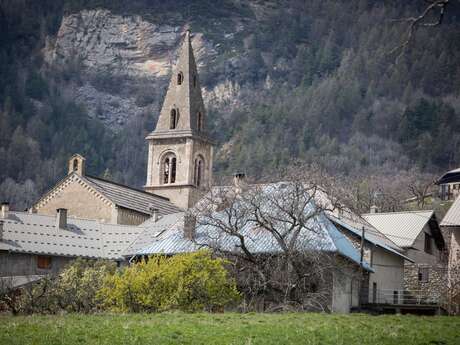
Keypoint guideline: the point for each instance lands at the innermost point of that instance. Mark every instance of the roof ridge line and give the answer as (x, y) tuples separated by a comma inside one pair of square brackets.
[(129, 187)]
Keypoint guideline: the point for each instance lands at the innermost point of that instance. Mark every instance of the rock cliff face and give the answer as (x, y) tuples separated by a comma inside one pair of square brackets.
[(135, 53)]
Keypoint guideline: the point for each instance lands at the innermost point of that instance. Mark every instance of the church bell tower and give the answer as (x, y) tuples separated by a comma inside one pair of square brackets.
[(180, 152)]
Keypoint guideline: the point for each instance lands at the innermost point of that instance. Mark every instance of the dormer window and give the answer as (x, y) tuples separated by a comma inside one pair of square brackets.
[(180, 78), (173, 118)]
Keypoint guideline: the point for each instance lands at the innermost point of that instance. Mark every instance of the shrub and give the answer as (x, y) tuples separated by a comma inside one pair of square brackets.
[(73, 290), (188, 282)]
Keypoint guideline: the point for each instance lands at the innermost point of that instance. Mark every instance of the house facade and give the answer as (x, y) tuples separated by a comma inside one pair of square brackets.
[(449, 185), (418, 233)]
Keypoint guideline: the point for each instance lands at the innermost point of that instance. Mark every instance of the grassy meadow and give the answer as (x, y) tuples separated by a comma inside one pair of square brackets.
[(228, 328)]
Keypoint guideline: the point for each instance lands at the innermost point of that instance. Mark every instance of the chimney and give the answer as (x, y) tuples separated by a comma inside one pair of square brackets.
[(239, 181), (155, 214), (374, 209), (5, 209), (61, 218), (189, 226)]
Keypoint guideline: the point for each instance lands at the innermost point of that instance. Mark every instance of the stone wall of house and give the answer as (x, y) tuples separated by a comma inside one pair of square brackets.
[(18, 264), (434, 289), (79, 200)]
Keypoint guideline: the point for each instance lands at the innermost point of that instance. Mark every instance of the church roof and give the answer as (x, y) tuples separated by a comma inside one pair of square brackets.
[(131, 198), (38, 234)]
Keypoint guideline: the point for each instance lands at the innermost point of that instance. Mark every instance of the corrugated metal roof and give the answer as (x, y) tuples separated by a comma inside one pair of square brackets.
[(400, 227), (371, 234), (131, 198), (319, 234), (452, 217), (150, 230), (10, 282), (33, 233)]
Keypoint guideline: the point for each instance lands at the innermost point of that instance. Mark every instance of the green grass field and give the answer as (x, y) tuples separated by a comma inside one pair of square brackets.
[(264, 329)]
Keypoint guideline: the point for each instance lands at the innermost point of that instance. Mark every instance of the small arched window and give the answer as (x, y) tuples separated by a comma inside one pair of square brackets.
[(180, 78), (173, 119), (198, 171), (169, 169), (199, 121), (75, 164), (194, 81)]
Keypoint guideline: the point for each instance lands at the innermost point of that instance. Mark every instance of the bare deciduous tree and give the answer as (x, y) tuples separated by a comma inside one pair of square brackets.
[(276, 237)]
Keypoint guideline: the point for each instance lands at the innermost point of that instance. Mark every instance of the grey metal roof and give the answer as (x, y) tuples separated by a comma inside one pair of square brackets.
[(371, 234), (150, 230), (33, 233), (452, 217), (401, 227), (450, 177), (325, 237), (131, 198)]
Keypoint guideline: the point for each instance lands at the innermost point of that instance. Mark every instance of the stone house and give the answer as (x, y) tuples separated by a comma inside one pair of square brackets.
[(418, 233), (34, 245), (450, 225), (86, 196), (177, 233)]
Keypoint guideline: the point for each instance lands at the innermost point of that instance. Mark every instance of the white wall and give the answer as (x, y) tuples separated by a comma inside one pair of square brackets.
[(388, 275)]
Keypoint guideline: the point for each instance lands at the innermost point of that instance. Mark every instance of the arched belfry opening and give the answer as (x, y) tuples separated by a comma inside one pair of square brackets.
[(168, 166), (180, 78), (76, 164)]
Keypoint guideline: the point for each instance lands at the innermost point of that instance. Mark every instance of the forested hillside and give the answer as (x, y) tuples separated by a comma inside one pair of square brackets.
[(283, 80)]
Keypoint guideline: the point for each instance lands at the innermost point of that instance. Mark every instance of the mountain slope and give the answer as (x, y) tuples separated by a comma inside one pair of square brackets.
[(282, 80)]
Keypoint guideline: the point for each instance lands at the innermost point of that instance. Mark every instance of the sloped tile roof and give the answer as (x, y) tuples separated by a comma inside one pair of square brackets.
[(131, 198), (38, 234), (452, 217), (400, 227)]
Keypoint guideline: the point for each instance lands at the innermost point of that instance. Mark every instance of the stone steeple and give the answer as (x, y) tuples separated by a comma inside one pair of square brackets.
[(180, 153), (183, 102)]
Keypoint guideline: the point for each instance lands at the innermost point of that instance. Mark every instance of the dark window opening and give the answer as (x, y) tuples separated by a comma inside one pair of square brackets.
[(180, 78), (428, 244), (173, 170), (395, 297), (75, 164), (166, 171), (44, 262), (169, 169), (200, 121), (198, 176), (423, 275), (194, 81), (374, 292), (173, 119)]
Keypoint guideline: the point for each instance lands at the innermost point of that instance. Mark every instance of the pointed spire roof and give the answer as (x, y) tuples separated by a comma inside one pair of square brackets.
[(183, 100)]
